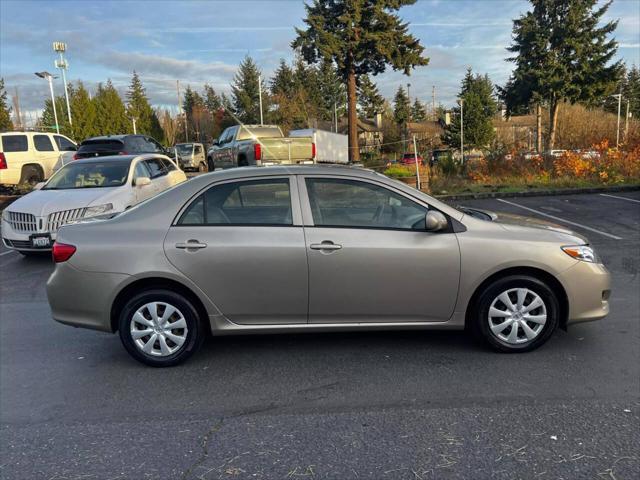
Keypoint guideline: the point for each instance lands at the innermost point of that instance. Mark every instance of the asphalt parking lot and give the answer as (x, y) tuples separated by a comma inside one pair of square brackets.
[(405, 405)]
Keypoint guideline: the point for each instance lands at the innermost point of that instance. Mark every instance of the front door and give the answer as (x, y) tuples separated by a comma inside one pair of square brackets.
[(242, 243), (370, 258)]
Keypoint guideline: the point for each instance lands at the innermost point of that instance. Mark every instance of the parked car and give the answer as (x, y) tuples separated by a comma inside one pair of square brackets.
[(84, 189), (191, 156), (218, 253), (258, 145), (120, 145), (410, 159), (30, 157), (555, 153)]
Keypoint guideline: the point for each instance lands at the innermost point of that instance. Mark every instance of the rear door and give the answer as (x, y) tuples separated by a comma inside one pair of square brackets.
[(145, 191), (45, 153), (242, 243), (370, 258)]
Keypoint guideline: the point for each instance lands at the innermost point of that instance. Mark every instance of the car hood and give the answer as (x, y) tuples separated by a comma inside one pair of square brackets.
[(43, 202), (523, 224)]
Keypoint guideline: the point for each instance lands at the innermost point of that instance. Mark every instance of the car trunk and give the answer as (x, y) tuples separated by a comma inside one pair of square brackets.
[(100, 148)]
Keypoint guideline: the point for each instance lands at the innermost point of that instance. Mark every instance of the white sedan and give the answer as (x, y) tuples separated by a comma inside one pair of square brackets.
[(85, 189)]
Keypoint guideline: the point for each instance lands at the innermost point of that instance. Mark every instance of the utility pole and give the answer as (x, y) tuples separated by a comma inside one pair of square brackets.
[(626, 122), (409, 97), (538, 128), (62, 64), (16, 110), (335, 114), (415, 157), (49, 77), (260, 96), (433, 102), (133, 119), (619, 97), (186, 128), (462, 130)]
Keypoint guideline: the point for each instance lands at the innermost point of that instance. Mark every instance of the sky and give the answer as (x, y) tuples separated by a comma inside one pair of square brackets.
[(198, 42)]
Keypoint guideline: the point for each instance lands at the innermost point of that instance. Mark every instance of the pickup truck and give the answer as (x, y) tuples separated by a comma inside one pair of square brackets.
[(258, 145)]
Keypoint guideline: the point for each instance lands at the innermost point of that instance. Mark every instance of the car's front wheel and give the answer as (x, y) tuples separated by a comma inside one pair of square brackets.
[(160, 328), (516, 314)]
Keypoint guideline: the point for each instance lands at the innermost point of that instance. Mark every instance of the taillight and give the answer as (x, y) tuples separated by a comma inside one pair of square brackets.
[(123, 153), (313, 150), (76, 156), (3, 161), (257, 151), (62, 252)]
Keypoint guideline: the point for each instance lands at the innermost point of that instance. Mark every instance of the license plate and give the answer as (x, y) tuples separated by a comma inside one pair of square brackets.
[(41, 241)]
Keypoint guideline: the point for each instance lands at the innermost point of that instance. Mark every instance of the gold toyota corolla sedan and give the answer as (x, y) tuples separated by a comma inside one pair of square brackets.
[(316, 248)]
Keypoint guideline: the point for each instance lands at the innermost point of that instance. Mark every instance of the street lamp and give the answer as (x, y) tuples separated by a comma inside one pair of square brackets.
[(619, 97), (461, 102), (49, 77), (62, 64)]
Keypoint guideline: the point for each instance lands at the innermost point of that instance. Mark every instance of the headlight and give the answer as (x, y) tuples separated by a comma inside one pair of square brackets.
[(5, 215), (98, 210), (581, 252)]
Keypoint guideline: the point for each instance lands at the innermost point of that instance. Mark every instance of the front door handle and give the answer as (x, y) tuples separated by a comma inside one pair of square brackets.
[(325, 245), (191, 245)]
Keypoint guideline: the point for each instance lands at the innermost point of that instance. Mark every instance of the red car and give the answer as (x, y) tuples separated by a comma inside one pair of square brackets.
[(410, 159)]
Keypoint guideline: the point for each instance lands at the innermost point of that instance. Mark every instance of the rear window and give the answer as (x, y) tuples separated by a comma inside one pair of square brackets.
[(101, 146), (259, 132), (14, 143)]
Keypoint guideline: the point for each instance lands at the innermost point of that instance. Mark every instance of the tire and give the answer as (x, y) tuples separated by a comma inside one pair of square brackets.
[(175, 352), (202, 168), (31, 175), (242, 161), (210, 165), (534, 323)]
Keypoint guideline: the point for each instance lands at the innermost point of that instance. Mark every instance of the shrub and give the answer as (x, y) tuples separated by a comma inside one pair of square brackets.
[(399, 171)]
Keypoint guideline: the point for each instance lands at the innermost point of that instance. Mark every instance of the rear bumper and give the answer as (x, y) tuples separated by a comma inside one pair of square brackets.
[(83, 299), (588, 286)]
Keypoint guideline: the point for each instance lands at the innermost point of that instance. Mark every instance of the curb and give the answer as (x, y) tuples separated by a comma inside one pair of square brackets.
[(538, 193)]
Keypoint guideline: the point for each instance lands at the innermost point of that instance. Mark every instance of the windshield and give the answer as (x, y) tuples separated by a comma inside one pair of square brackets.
[(185, 148), (89, 175)]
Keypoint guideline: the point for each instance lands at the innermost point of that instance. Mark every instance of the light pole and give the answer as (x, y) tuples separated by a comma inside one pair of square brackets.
[(49, 77), (461, 102), (62, 64), (260, 96), (619, 97)]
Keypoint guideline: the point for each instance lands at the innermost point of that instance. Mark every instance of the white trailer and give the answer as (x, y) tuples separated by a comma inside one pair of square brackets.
[(330, 147)]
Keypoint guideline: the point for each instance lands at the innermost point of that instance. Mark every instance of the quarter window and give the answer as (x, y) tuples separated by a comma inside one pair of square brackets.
[(355, 204), (255, 202), (64, 144), (156, 167), (43, 143), (14, 143)]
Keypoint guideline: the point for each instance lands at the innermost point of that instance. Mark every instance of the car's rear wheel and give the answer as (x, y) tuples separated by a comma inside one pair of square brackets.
[(516, 314), (160, 328), (202, 167), (31, 175)]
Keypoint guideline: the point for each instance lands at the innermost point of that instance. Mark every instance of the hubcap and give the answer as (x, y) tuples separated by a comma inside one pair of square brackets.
[(158, 329), (517, 316)]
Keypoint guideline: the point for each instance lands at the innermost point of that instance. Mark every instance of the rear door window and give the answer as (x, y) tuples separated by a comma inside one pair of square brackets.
[(43, 143), (156, 167), (168, 165), (14, 143)]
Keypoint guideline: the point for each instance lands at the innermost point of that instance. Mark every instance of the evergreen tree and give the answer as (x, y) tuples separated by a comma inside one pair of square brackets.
[(360, 37), (418, 111), (83, 112), (5, 110), (245, 92), (331, 92), (369, 99), (213, 104), (111, 114), (479, 107), (47, 121), (401, 107), (138, 107), (561, 54), (283, 81), (632, 91)]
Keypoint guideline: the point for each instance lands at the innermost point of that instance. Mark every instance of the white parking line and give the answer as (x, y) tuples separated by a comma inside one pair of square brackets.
[(6, 253), (620, 198), (560, 219)]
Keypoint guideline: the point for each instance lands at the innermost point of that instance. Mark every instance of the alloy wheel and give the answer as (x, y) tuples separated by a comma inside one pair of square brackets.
[(517, 316), (158, 329)]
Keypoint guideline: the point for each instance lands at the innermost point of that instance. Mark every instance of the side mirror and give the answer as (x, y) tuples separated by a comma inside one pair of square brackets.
[(39, 185), (215, 143), (142, 181), (435, 221)]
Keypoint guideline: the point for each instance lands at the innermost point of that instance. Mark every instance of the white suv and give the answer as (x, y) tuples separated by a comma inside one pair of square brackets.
[(30, 157)]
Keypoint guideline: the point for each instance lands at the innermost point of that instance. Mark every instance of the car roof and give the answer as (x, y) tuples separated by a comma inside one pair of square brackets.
[(119, 158), (112, 137)]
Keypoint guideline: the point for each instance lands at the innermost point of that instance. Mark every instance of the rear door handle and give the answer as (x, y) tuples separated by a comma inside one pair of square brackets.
[(191, 245), (326, 245)]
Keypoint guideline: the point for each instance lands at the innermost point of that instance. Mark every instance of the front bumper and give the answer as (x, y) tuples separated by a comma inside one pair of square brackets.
[(83, 299), (21, 241), (588, 288)]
